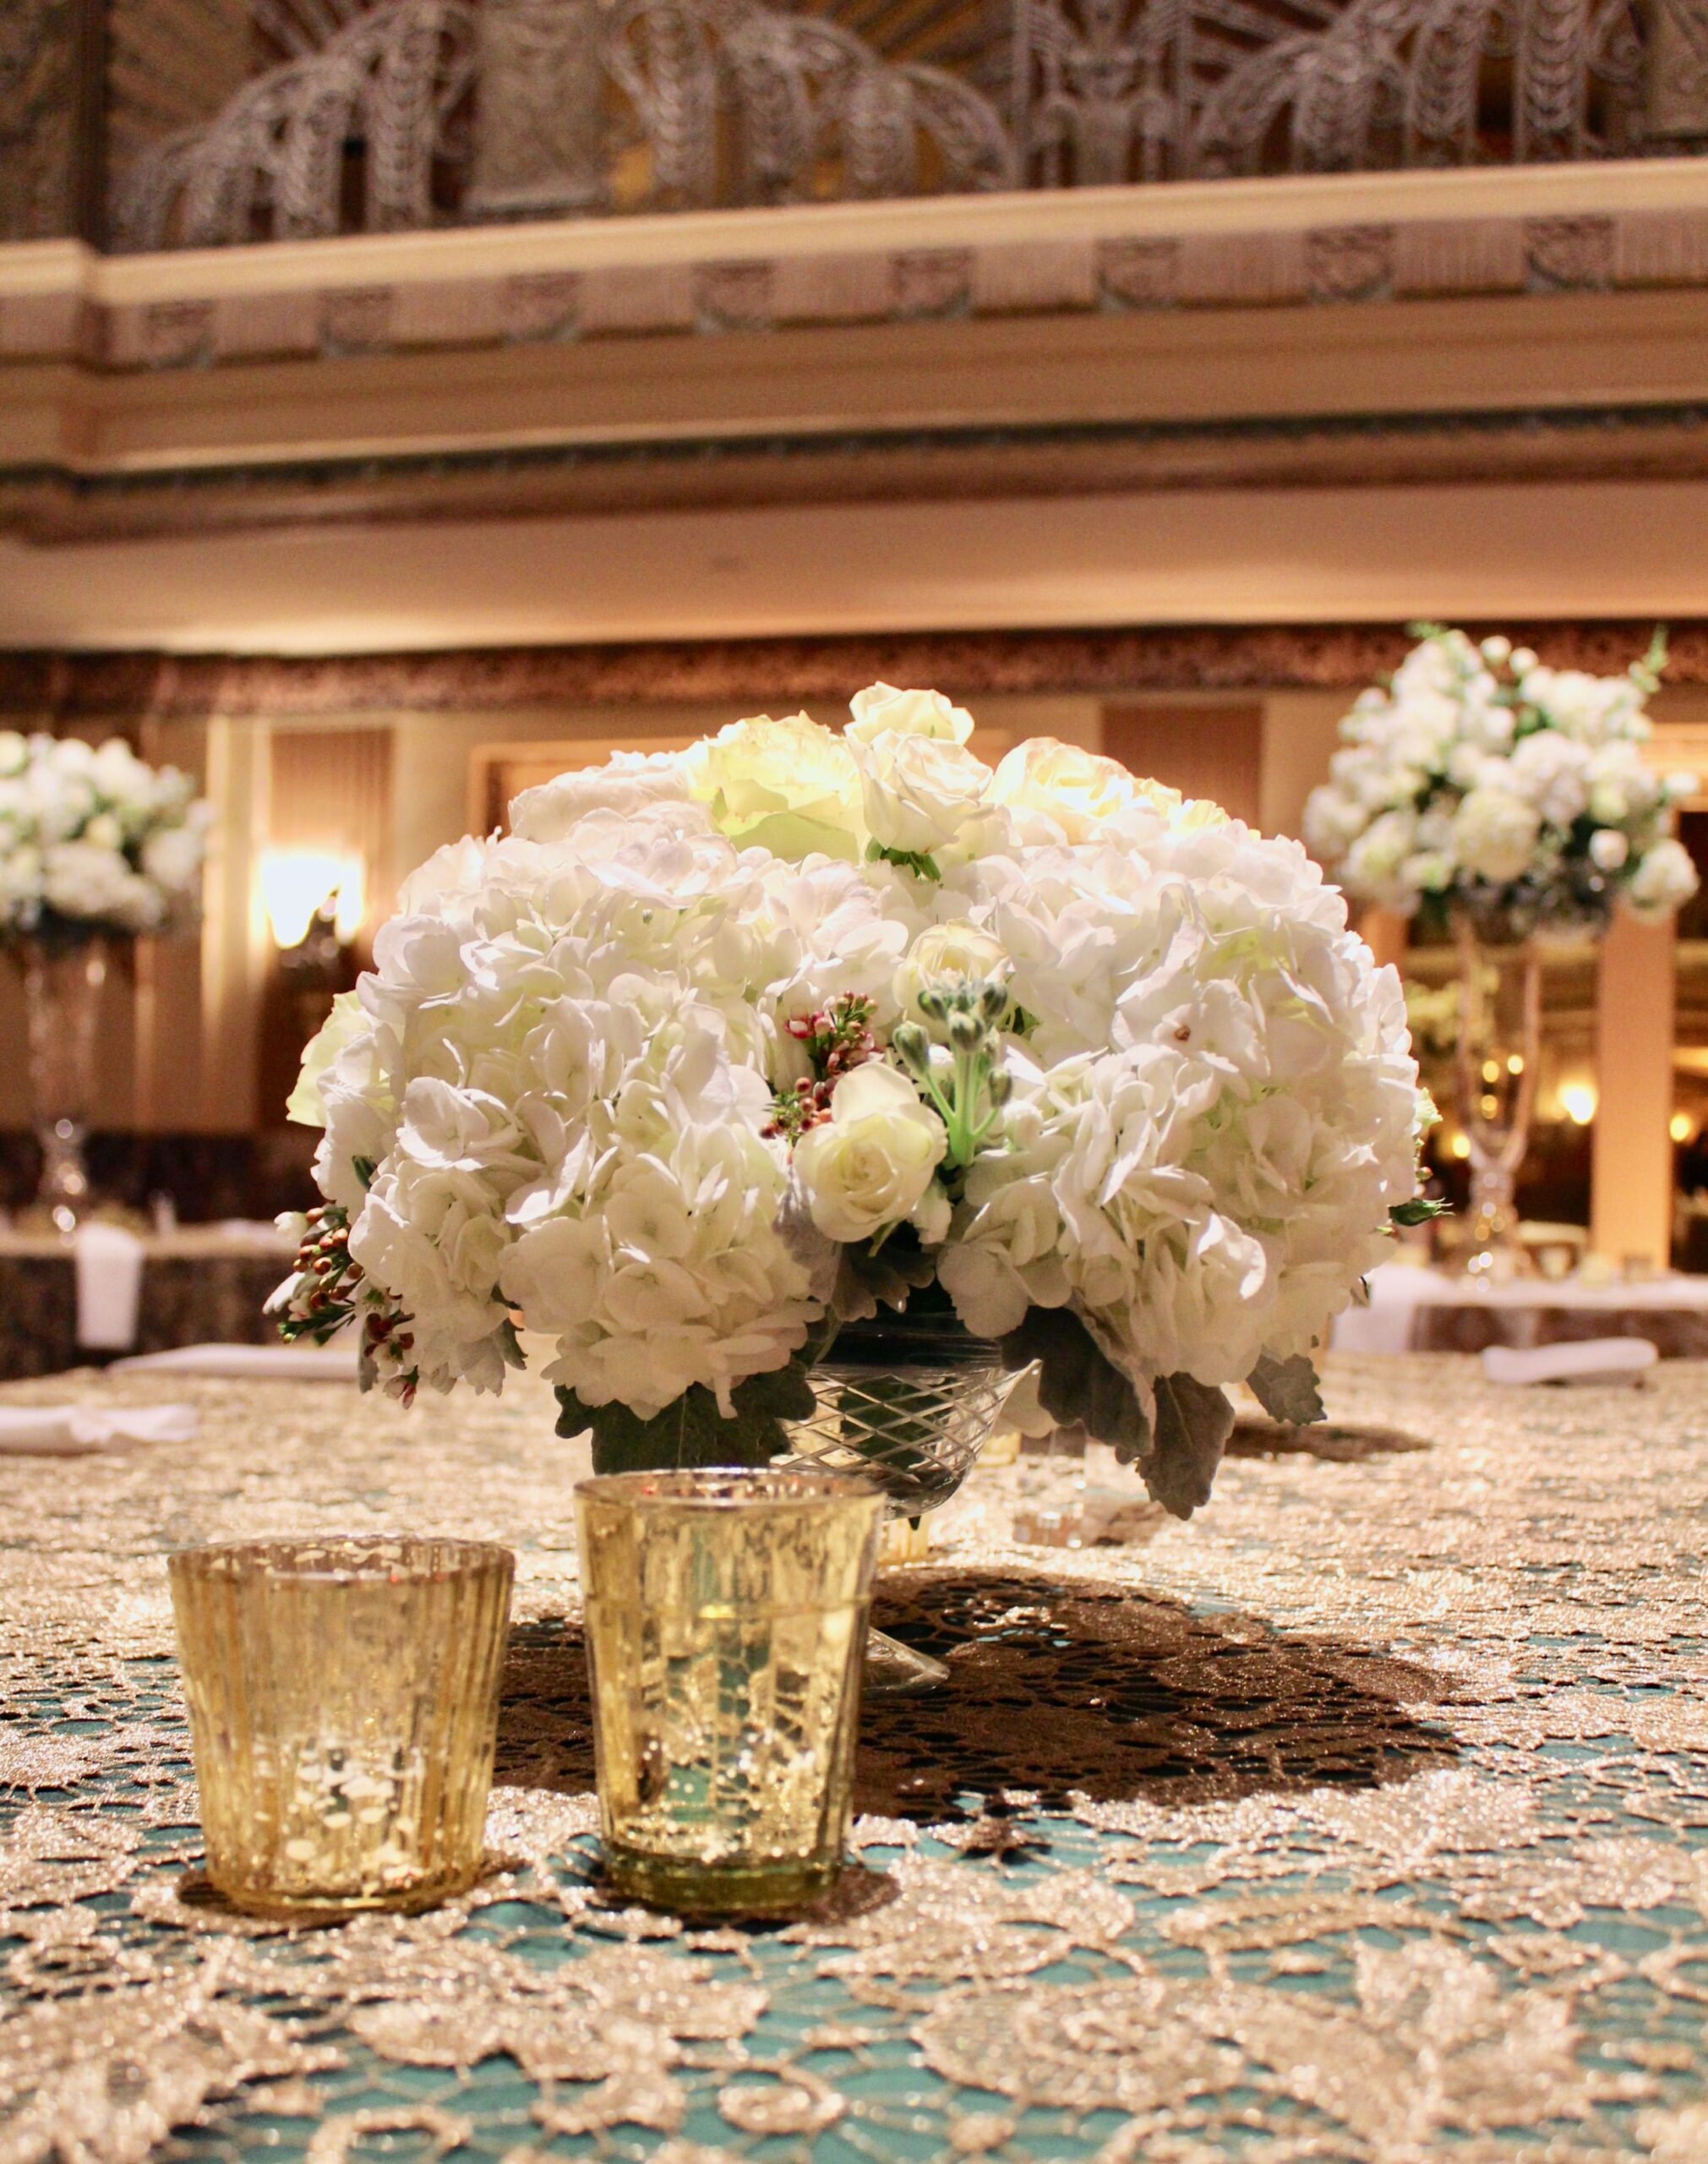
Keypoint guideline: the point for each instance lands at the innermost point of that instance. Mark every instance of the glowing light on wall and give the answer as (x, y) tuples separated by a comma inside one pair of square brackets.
[(296, 885), (1460, 1145), (1681, 1127), (1578, 1101)]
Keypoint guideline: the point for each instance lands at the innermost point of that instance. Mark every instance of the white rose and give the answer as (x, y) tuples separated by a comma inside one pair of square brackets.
[(1495, 833), (345, 1023), (1078, 789), (918, 791), (869, 1165), (881, 710), (945, 954), (1665, 878), (1608, 849), (627, 780), (14, 753), (789, 786)]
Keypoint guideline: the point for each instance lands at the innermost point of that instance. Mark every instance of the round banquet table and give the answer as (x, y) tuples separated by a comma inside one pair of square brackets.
[(1413, 1309), (201, 1284), (1365, 1817)]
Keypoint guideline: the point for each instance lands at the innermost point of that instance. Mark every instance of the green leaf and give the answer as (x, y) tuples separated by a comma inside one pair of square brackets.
[(364, 1169), (1192, 1426), (1418, 1212), (1078, 1386), (1287, 1389), (919, 861), (692, 1431)]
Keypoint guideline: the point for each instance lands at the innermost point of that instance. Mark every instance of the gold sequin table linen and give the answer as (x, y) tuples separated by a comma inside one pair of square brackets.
[(1364, 1817)]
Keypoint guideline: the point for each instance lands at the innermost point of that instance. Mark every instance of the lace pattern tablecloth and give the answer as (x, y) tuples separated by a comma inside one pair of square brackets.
[(1365, 1817)]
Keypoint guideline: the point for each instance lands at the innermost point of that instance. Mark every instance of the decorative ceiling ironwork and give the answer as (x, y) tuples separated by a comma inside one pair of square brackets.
[(414, 112)]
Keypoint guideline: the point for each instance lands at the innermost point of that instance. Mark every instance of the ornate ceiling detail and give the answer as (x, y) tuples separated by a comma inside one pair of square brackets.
[(37, 107), (468, 109)]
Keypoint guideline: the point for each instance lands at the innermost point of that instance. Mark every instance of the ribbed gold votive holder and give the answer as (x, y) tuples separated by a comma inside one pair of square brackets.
[(343, 1704), (726, 1622)]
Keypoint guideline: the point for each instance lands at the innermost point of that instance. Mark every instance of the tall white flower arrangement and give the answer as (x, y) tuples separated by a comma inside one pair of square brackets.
[(713, 1050), (1480, 777), (93, 840)]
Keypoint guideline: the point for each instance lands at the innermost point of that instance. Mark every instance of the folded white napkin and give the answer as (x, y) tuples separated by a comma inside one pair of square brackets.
[(72, 1430), (334, 1362), (1580, 1360), (109, 1285)]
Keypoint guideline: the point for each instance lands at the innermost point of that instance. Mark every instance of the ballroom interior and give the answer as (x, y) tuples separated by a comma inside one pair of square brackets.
[(1092, 413), (398, 402)]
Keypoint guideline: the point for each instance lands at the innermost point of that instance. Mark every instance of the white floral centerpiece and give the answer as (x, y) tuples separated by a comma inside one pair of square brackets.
[(1479, 777), (1483, 791), (716, 1050), (96, 848), (94, 841)]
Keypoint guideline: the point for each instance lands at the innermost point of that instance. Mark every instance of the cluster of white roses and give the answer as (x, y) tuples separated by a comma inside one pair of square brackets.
[(1480, 775), (93, 840), (642, 1072)]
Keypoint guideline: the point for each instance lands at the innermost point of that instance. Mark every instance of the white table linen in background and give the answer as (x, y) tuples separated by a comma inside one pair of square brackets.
[(109, 1262), (1399, 1289), (75, 1430), (334, 1363)]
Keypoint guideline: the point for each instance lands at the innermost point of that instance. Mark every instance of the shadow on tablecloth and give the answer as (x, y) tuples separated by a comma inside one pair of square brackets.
[(1054, 1690)]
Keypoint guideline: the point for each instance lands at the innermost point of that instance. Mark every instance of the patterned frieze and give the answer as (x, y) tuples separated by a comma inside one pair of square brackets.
[(90, 688), (1358, 265)]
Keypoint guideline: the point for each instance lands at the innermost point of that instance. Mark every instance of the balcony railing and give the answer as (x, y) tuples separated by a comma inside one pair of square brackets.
[(411, 113)]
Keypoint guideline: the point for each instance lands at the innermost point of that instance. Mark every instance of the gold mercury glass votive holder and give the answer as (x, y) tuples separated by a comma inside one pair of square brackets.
[(726, 1624), (343, 1704)]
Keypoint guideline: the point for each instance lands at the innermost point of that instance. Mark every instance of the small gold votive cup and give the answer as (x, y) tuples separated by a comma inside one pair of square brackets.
[(343, 1704), (726, 1624)]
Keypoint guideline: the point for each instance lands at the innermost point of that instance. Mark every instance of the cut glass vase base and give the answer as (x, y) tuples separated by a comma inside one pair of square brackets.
[(894, 1670)]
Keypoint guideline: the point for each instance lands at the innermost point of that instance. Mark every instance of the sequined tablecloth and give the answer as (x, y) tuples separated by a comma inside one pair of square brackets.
[(1364, 1817)]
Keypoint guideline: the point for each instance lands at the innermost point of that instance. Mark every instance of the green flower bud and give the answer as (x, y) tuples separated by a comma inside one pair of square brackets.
[(934, 1001), (965, 1031), (912, 1046), (993, 998), (1001, 1086)]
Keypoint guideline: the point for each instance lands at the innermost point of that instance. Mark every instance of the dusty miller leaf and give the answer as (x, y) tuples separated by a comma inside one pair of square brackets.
[(1193, 1423), (692, 1431), (1076, 1386), (1287, 1389)]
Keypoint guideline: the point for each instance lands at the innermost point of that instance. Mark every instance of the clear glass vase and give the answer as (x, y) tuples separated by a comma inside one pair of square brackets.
[(1499, 1044), (62, 987), (907, 1400)]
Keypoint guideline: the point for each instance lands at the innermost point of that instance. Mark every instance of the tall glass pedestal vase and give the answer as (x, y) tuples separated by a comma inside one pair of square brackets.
[(1500, 995), (62, 987)]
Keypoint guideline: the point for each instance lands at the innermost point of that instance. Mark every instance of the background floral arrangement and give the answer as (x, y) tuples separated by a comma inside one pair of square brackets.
[(1481, 778), (718, 1049), (93, 840)]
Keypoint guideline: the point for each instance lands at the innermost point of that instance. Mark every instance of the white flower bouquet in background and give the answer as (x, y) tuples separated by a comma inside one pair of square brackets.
[(95, 847), (715, 1051), (1481, 779), (93, 842), (1484, 791)]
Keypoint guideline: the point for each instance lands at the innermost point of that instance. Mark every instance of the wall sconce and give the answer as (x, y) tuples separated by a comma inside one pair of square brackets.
[(1578, 1101), (301, 888)]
